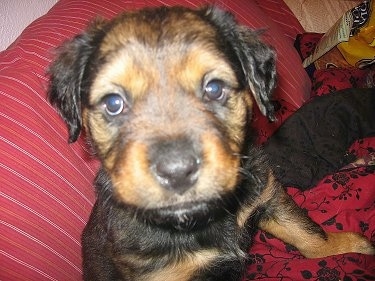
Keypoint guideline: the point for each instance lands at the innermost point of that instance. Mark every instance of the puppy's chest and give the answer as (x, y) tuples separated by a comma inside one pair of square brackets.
[(188, 267), (159, 255)]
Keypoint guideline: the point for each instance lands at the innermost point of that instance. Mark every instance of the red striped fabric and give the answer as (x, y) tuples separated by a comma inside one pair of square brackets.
[(46, 189), (282, 16)]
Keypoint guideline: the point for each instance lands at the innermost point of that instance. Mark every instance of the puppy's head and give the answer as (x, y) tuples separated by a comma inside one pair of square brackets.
[(164, 96)]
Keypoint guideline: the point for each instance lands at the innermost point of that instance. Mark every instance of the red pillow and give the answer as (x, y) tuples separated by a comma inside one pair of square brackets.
[(282, 16), (46, 183)]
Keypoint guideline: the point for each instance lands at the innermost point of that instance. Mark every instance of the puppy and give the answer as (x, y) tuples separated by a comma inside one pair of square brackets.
[(163, 94)]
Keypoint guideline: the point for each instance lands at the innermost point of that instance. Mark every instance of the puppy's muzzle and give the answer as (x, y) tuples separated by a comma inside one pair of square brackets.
[(175, 165)]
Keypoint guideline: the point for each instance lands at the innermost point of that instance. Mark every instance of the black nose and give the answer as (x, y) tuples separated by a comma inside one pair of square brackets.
[(175, 165)]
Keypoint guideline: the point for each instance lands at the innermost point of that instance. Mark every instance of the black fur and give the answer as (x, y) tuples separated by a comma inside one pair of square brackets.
[(69, 78)]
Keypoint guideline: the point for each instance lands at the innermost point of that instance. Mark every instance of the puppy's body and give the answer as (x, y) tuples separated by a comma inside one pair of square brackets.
[(163, 95)]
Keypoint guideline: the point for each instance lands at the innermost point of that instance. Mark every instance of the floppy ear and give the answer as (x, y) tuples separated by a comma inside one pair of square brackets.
[(258, 60), (67, 74), (259, 65)]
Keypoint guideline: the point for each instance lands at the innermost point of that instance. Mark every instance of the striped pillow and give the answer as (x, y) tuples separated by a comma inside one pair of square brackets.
[(46, 189)]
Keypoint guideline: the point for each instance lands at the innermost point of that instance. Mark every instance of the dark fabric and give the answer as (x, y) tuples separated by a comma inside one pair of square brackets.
[(314, 141)]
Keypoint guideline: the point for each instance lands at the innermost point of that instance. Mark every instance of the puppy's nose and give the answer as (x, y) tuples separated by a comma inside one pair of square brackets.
[(175, 165)]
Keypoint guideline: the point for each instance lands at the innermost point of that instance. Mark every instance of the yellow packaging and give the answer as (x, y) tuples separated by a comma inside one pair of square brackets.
[(359, 51), (350, 42)]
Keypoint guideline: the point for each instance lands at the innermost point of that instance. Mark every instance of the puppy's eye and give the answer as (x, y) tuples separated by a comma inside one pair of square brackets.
[(215, 91), (114, 104)]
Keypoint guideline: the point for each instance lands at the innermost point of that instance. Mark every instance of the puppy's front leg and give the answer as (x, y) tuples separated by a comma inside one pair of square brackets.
[(285, 220), (96, 262)]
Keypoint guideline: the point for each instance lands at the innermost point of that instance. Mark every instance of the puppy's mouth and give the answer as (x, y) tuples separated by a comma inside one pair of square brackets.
[(186, 216)]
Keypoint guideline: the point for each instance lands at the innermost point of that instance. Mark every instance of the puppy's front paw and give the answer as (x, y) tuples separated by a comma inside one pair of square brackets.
[(340, 243), (348, 242)]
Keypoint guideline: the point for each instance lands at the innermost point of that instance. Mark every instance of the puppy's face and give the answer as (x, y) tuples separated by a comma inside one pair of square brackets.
[(164, 96)]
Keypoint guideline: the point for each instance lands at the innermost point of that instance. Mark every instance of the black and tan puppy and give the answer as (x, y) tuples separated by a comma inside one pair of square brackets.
[(163, 94)]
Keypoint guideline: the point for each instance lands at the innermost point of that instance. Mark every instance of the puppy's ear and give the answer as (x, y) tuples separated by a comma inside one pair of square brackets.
[(259, 65), (67, 74), (257, 60)]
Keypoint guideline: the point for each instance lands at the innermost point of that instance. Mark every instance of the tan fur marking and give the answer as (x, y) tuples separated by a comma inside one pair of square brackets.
[(220, 171), (185, 270), (101, 133), (239, 106), (293, 227), (202, 59), (134, 74), (132, 181), (267, 194), (218, 175), (314, 246)]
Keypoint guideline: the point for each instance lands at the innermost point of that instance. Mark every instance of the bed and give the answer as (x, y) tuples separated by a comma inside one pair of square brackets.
[(46, 191)]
